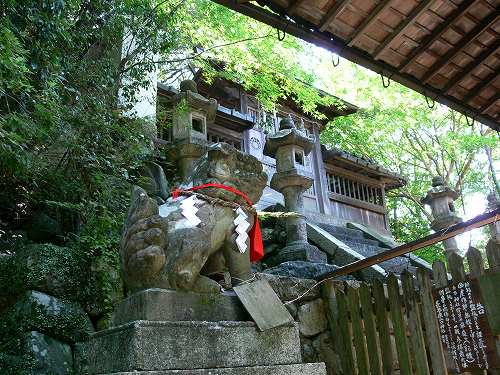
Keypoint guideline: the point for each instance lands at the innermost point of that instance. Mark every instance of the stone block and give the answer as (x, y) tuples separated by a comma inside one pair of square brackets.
[(62, 319), (170, 305), (301, 269), (297, 369), (289, 288), (312, 318), (49, 355), (297, 252), (145, 345)]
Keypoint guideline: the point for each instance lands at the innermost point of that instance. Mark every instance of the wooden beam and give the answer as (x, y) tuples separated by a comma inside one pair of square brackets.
[(469, 68), (485, 108), (292, 8), (334, 11), (437, 32), (414, 14), (368, 21), (462, 44), (444, 234), (482, 85), (301, 28)]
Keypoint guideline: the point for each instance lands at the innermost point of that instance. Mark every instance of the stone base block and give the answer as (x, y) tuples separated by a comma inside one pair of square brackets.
[(299, 251), (172, 305), (145, 345), (300, 369)]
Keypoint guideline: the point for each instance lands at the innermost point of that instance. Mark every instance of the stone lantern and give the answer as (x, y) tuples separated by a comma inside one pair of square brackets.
[(192, 113), (440, 198), (289, 146)]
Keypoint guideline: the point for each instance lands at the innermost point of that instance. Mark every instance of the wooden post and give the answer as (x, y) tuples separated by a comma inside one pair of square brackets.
[(399, 326), (383, 327), (357, 330), (370, 331), (431, 324), (415, 325), (346, 357)]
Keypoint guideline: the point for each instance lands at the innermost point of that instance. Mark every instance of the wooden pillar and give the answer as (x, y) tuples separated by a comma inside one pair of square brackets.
[(320, 180)]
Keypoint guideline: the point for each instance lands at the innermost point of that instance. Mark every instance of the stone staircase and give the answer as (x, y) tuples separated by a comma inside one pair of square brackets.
[(165, 332), (355, 239)]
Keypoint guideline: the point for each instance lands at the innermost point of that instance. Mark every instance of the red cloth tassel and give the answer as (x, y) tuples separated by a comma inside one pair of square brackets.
[(256, 245)]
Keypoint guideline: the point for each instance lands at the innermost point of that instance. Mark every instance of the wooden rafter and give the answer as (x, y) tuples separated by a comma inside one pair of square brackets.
[(477, 61), (400, 29), (292, 8), (463, 44), (437, 32), (368, 21), (308, 31), (485, 108), (334, 11), (482, 85)]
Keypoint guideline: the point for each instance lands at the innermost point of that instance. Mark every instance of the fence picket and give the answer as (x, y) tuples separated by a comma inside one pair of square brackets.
[(383, 327), (417, 342), (456, 267), (475, 260), (440, 274), (431, 324), (328, 293), (399, 326), (370, 331), (346, 357), (357, 330), (493, 253)]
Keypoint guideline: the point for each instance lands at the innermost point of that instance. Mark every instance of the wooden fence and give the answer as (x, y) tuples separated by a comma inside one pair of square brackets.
[(393, 328)]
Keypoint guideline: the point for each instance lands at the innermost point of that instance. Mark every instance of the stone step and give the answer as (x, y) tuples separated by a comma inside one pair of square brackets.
[(342, 231), (363, 241), (149, 345), (298, 369), (172, 305), (365, 249)]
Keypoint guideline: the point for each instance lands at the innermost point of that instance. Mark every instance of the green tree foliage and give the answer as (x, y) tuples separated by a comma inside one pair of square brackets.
[(398, 129)]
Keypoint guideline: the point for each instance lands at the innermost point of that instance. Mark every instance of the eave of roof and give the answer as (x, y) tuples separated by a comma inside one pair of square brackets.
[(393, 180)]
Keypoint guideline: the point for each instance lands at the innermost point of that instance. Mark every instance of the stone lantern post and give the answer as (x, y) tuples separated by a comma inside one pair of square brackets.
[(290, 146), (191, 114), (493, 245), (440, 198)]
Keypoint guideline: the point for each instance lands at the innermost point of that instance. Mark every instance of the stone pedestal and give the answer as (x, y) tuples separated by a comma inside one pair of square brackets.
[(290, 146), (184, 154), (169, 332)]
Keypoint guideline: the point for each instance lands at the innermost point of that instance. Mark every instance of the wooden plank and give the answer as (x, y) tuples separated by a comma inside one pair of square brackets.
[(400, 29), (456, 267), (436, 33), (347, 354), (368, 21), (263, 304), (475, 260), (398, 326), (334, 11), (440, 274), (435, 349), (417, 343), (490, 291), (431, 239), (293, 8), (461, 45), (469, 68), (357, 331), (482, 85), (328, 294), (493, 254), (485, 108), (370, 331), (383, 327)]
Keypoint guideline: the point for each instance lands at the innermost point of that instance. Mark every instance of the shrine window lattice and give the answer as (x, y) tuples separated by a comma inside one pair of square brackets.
[(354, 189), (215, 138)]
